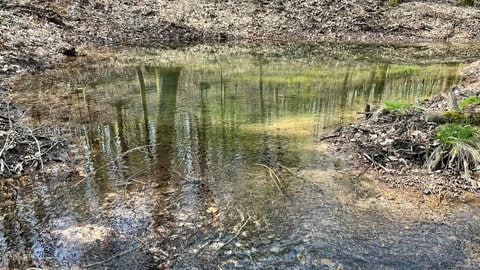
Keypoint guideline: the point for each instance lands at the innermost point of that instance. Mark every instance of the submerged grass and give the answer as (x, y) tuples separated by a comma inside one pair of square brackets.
[(289, 126)]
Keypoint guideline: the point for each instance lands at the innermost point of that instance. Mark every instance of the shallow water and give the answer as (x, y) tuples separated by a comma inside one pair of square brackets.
[(208, 161)]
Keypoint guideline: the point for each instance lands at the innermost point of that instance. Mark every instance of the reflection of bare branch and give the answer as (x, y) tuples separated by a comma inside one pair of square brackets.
[(114, 160)]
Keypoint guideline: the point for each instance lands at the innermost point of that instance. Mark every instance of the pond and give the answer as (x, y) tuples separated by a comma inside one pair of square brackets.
[(201, 159)]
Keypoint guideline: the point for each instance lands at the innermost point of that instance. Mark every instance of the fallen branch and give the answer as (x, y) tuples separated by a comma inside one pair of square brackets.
[(274, 176), (290, 171), (325, 137), (7, 143), (39, 148), (236, 235), (113, 257), (376, 163)]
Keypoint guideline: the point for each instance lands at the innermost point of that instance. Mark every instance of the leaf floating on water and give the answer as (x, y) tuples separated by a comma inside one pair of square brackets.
[(81, 172), (212, 209)]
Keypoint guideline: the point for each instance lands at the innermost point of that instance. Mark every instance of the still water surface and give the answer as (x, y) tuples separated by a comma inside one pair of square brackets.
[(211, 162)]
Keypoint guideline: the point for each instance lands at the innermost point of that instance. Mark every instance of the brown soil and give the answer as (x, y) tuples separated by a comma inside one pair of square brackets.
[(38, 34)]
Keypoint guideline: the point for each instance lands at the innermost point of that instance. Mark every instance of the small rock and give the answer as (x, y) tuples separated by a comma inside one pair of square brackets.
[(69, 51)]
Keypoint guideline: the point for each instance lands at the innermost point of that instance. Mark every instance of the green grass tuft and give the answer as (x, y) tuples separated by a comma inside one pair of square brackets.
[(394, 2), (453, 133), (459, 149), (467, 2), (469, 101), (396, 105)]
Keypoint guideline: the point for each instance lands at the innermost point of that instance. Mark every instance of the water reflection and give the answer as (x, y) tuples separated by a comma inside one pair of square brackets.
[(173, 177)]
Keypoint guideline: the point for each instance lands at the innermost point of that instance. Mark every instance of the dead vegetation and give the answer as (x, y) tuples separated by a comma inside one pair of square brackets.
[(409, 151), (24, 149)]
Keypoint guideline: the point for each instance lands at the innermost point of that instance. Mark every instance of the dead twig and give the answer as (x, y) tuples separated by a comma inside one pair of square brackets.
[(376, 163), (274, 177), (8, 142), (290, 171), (237, 234), (326, 137), (363, 172), (39, 148), (114, 256)]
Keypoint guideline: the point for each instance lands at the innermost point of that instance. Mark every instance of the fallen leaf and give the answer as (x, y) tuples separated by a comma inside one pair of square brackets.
[(212, 209)]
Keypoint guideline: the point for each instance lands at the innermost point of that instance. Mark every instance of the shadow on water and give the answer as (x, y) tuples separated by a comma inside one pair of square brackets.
[(212, 164)]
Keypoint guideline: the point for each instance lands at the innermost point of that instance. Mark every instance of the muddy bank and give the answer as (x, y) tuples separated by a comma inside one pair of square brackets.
[(35, 33)]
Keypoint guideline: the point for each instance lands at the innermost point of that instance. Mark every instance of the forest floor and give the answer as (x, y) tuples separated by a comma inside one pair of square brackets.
[(39, 34)]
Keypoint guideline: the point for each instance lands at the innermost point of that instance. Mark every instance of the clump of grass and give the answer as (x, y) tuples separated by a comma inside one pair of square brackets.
[(396, 105), (469, 101), (467, 2), (453, 133), (458, 117), (393, 2), (459, 149), (455, 117)]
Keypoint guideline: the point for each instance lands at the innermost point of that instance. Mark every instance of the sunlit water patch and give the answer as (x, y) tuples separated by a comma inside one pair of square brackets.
[(210, 161)]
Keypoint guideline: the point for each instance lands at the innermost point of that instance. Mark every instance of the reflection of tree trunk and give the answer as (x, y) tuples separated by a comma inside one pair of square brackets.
[(167, 104), (120, 126), (222, 92), (202, 138), (158, 81), (344, 91), (204, 192), (92, 116), (380, 82), (266, 155), (143, 95), (260, 87), (168, 95)]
